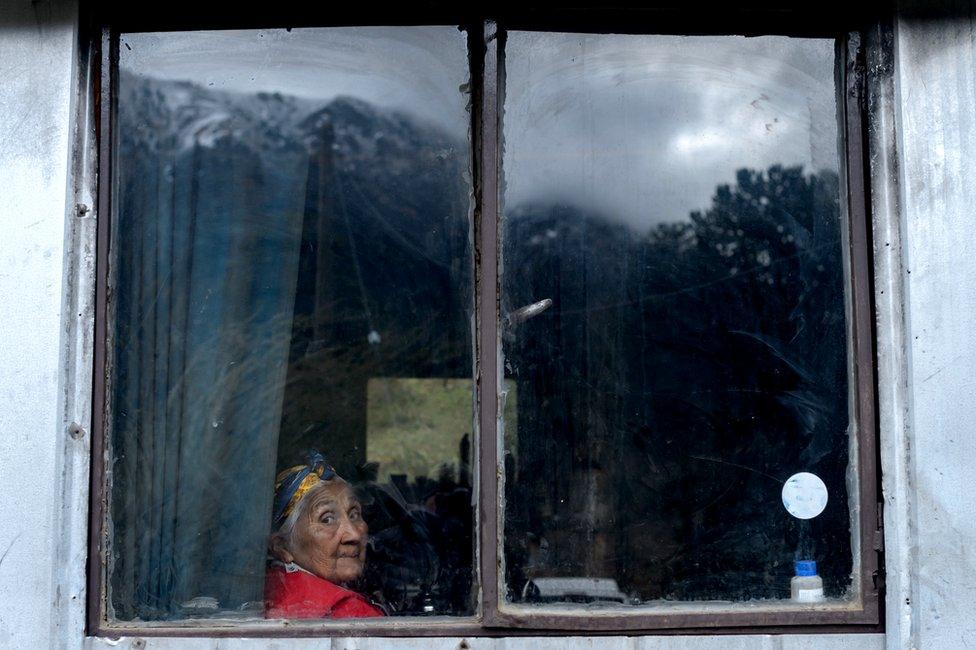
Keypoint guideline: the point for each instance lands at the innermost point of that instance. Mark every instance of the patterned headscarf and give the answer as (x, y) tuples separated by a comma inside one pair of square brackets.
[(292, 484)]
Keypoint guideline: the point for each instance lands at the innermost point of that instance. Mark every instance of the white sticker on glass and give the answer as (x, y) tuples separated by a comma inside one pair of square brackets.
[(804, 495)]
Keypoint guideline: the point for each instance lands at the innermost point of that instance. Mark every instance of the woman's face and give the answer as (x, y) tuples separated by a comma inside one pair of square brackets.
[(329, 538)]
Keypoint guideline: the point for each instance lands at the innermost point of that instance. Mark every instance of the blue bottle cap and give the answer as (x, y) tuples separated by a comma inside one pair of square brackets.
[(806, 567)]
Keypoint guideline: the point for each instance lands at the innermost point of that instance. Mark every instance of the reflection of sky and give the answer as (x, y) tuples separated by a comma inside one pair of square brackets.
[(415, 69), (639, 127), (645, 127)]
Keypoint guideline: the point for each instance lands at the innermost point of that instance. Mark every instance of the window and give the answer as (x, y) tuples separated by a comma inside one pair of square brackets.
[(575, 319)]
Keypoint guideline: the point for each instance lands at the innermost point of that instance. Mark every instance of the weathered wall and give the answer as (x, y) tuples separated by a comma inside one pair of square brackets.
[(36, 67), (936, 79)]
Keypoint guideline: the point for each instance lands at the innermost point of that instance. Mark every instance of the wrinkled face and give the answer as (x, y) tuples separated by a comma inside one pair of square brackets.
[(329, 538)]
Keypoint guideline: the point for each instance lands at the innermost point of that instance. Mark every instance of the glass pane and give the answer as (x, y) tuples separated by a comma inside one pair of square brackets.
[(293, 259), (672, 208)]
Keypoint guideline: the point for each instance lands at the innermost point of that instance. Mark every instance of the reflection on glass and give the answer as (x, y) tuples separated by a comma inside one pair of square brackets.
[(676, 199), (292, 227)]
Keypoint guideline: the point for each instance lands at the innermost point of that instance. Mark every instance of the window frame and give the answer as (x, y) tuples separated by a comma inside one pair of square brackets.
[(486, 31)]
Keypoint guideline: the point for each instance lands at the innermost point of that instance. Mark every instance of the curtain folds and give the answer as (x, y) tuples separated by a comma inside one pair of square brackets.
[(207, 235)]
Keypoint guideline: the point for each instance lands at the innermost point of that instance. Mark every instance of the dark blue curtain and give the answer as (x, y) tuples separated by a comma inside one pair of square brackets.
[(206, 242)]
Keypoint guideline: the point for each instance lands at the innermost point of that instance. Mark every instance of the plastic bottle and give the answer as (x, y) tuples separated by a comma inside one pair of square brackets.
[(806, 586)]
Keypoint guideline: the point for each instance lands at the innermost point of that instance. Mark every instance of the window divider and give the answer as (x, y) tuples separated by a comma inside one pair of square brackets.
[(487, 100)]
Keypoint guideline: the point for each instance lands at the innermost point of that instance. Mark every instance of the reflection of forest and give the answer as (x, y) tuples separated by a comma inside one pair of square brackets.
[(679, 378)]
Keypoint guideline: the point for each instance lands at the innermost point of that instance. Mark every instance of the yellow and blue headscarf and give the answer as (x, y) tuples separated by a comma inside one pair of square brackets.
[(292, 484)]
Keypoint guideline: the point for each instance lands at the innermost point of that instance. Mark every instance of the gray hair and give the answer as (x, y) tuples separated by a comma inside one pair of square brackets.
[(287, 529)]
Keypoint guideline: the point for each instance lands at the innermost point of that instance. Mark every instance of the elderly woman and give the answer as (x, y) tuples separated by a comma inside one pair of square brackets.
[(318, 544)]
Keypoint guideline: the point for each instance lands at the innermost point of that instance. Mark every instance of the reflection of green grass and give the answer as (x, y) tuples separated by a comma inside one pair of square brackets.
[(414, 426)]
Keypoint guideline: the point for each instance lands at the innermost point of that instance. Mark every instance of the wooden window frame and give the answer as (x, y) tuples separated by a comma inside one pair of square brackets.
[(486, 30)]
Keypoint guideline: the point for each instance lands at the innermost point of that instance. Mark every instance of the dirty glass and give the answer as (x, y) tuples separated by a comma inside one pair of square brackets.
[(674, 320), (292, 273)]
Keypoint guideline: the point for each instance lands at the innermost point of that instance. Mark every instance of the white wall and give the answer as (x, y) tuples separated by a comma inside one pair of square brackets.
[(36, 66), (937, 86), (925, 213)]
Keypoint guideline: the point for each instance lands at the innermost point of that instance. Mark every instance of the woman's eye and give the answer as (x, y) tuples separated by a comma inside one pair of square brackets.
[(328, 518), (354, 515)]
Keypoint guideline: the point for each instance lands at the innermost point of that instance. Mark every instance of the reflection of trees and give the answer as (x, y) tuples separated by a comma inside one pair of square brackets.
[(676, 372), (679, 377)]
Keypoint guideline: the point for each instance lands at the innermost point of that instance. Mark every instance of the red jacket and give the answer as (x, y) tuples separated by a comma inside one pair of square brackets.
[(298, 594)]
